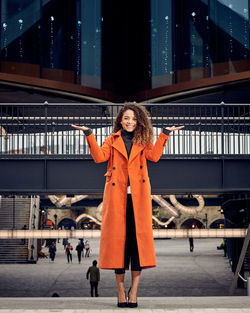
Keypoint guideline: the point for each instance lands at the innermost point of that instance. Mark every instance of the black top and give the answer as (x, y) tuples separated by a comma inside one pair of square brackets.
[(128, 140)]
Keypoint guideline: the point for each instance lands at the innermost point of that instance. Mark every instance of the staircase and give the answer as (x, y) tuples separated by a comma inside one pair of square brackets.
[(14, 214)]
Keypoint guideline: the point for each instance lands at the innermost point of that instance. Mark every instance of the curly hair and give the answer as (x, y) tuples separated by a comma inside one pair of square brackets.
[(143, 133)]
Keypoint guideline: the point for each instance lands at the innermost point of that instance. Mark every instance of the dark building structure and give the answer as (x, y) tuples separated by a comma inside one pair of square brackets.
[(131, 50)]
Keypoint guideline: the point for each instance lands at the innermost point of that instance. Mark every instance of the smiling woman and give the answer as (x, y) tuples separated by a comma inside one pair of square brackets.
[(129, 121), (127, 204)]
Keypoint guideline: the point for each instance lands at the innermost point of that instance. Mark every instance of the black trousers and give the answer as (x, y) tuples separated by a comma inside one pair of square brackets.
[(131, 248), (69, 257), (79, 254), (94, 285)]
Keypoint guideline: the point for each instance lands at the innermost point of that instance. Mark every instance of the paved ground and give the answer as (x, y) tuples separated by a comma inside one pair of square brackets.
[(146, 305), (179, 273), (181, 282)]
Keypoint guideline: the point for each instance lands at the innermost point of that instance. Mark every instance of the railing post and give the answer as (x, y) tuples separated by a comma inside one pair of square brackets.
[(222, 127), (46, 126), (248, 283)]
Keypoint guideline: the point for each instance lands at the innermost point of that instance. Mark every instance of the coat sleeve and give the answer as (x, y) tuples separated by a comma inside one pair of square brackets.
[(153, 152), (99, 154)]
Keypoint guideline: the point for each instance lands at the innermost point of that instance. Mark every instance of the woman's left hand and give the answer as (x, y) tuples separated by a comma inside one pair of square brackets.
[(174, 128)]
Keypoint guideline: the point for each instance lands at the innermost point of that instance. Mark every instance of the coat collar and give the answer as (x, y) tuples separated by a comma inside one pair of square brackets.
[(119, 145)]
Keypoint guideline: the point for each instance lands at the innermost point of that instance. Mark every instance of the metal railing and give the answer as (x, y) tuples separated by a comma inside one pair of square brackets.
[(211, 130)]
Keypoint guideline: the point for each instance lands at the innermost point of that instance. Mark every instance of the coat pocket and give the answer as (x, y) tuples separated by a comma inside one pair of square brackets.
[(108, 175)]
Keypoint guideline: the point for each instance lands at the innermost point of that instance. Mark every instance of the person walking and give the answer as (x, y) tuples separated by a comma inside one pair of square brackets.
[(65, 242), (24, 228), (191, 244), (52, 251), (94, 274), (87, 249), (79, 249), (68, 253), (83, 246), (127, 204), (224, 244)]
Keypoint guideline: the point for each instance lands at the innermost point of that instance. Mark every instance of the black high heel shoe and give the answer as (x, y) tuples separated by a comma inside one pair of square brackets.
[(122, 304), (131, 304)]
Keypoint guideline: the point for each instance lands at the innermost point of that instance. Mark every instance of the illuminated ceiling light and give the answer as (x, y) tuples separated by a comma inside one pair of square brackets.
[(20, 21), (193, 14), (52, 18)]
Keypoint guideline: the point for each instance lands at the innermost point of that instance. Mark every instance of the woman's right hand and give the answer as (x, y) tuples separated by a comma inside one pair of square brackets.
[(79, 127)]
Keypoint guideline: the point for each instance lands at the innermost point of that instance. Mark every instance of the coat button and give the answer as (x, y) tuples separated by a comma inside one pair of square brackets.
[(143, 180), (113, 184), (114, 168), (141, 166)]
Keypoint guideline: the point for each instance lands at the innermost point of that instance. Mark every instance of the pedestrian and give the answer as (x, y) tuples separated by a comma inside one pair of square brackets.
[(83, 246), (24, 228), (224, 244), (65, 242), (52, 251), (94, 274), (58, 239), (68, 253), (127, 195), (87, 248), (191, 244), (79, 250)]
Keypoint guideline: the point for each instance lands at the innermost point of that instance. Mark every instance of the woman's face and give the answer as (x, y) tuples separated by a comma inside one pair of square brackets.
[(129, 121)]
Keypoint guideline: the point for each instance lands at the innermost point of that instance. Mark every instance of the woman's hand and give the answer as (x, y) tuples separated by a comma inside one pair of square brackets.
[(79, 127), (174, 128)]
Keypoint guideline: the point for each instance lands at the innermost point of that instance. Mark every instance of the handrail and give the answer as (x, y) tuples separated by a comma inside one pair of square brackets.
[(213, 130)]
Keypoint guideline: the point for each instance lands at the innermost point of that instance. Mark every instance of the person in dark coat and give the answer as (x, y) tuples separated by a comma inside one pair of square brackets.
[(79, 249), (24, 228), (94, 274), (191, 244), (52, 251)]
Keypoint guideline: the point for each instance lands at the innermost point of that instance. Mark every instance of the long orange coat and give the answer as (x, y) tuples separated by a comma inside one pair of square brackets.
[(113, 231)]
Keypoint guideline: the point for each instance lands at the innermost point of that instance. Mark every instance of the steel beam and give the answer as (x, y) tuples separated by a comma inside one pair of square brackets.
[(83, 176), (158, 233)]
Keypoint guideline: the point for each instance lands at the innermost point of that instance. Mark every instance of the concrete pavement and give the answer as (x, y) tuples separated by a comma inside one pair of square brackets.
[(181, 282)]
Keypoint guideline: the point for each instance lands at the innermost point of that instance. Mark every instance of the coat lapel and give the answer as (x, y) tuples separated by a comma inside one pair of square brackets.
[(119, 145)]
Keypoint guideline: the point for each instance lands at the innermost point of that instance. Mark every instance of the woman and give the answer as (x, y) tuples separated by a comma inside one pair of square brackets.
[(126, 233), (68, 250)]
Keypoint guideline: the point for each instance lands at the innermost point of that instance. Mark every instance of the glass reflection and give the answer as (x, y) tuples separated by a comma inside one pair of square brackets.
[(202, 43), (56, 40)]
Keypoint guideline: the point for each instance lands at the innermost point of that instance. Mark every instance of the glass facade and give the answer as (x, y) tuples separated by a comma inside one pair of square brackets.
[(193, 39), (57, 40), (92, 43)]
